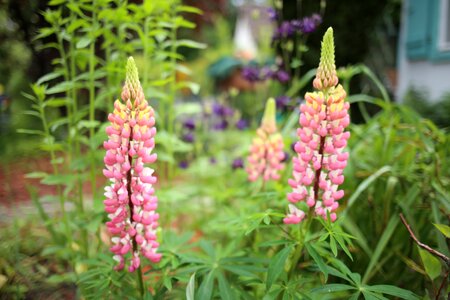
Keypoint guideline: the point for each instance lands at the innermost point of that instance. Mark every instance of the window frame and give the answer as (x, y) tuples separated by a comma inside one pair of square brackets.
[(444, 25)]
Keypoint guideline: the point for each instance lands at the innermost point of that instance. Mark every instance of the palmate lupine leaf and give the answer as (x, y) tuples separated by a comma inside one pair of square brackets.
[(276, 266)]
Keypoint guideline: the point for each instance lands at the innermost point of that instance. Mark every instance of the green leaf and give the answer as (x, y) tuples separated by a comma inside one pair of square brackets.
[(318, 259), (192, 86), (276, 266), (44, 32), (333, 246), (206, 288), (56, 2), (59, 179), (334, 287), (432, 264), (36, 175), (444, 229), (385, 237), (30, 131), (83, 42), (355, 231), (190, 44), (393, 291), (224, 287), (188, 9), (341, 243), (365, 184), (88, 124), (61, 87), (368, 295), (56, 102), (48, 77)]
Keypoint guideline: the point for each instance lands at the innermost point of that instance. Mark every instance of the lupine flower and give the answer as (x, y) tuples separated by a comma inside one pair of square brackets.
[(189, 137), (288, 29), (272, 13), (222, 125), (267, 72), (282, 102), (282, 76), (251, 73), (184, 164), (222, 110), (189, 124), (238, 163), (217, 109), (241, 124), (318, 167), (266, 151), (130, 200)]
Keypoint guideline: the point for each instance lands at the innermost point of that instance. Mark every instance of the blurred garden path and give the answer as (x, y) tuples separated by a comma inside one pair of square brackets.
[(15, 199)]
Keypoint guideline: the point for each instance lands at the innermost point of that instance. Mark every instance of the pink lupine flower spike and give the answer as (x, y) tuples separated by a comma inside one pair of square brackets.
[(266, 152), (130, 200), (318, 167)]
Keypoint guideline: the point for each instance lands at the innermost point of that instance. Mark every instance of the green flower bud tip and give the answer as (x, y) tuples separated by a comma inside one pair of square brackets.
[(132, 91), (269, 118), (326, 73), (132, 75)]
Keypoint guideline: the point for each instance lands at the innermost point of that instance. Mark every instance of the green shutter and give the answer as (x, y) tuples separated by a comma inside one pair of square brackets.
[(418, 32)]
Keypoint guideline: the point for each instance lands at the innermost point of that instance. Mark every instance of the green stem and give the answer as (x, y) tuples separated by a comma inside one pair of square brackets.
[(67, 79), (92, 62), (77, 149), (55, 171), (301, 242), (140, 281), (145, 45), (170, 111)]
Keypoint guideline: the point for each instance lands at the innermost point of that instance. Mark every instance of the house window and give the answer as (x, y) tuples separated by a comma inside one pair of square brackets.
[(444, 28)]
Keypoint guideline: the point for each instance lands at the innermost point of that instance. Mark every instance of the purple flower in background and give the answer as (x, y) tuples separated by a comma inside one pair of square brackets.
[(238, 163), (285, 30), (317, 18), (218, 109), (251, 73), (228, 111), (183, 164), (309, 24), (296, 25), (222, 110), (293, 146), (241, 124), (212, 160), (272, 13), (222, 125), (267, 73), (189, 124), (282, 101), (282, 76), (286, 157), (189, 137), (288, 29)]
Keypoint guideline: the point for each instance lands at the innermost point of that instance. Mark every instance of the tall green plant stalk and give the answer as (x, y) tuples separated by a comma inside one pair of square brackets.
[(172, 91), (76, 146), (66, 74), (92, 63), (62, 201)]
